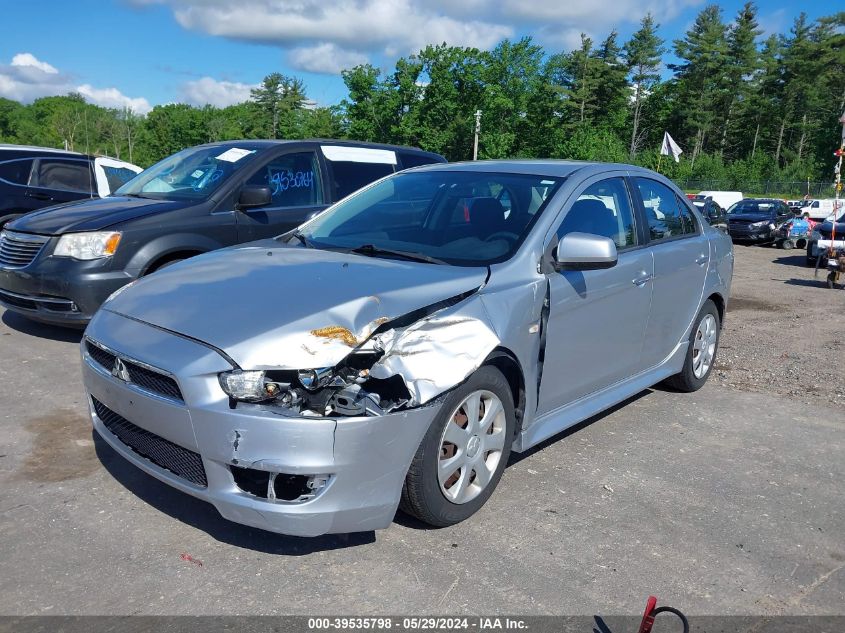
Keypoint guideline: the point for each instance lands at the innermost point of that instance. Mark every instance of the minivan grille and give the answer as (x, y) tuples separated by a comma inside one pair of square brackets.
[(138, 375), (19, 249), (161, 452)]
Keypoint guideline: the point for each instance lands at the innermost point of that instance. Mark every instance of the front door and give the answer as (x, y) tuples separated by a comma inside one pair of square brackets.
[(681, 254), (297, 194), (597, 318)]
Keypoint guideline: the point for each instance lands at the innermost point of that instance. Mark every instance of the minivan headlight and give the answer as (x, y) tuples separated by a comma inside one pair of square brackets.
[(88, 245)]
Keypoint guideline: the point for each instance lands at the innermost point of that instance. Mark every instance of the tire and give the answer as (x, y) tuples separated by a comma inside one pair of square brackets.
[(696, 366), (787, 245), (831, 280), (459, 496)]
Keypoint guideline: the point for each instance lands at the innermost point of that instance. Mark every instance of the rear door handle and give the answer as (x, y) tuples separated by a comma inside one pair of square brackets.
[(40, 196), (701, 260), (642, 280)]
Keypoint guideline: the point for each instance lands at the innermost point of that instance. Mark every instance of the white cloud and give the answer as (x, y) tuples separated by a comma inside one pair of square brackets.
[(220, 94), (326, 58), (27, 78), (387, 28), (28, 59), (113, 98)]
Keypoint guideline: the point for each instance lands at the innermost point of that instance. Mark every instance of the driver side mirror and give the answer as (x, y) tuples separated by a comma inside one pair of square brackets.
[(253, 196), (585, 251)]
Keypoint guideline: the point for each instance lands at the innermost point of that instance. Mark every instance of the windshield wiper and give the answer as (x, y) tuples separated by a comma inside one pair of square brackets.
[(371, 250), (302, 239)]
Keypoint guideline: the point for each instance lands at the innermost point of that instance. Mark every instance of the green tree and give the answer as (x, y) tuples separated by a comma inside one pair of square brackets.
[(643, 54), (279, 97)]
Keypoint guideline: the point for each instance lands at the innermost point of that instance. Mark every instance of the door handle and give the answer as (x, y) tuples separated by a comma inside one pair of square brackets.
[(701, 260), (642, 280), (40, 196)]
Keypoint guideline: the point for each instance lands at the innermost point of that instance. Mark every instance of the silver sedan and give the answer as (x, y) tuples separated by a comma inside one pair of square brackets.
[(394, 350)]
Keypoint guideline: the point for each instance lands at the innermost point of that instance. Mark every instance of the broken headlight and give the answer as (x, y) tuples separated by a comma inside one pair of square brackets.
[(250, 386)]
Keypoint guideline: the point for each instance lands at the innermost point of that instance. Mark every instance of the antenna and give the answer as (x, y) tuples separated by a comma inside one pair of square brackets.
[(88, 156)]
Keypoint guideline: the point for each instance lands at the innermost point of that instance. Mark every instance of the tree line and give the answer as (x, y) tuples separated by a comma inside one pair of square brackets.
[(744, 108)]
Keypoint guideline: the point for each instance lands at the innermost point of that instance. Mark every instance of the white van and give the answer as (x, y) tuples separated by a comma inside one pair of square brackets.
[(723, 198), (820, 210)]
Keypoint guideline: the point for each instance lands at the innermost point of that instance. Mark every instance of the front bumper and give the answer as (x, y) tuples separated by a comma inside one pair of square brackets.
[(59, 290), (365, 459), (751, 235)]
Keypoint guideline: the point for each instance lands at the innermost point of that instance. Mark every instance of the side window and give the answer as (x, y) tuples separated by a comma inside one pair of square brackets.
[(63, 174), (350, 176), (118, 176), (415, 160), (294, 180), (16, 171), (604, 208), (667, 216)]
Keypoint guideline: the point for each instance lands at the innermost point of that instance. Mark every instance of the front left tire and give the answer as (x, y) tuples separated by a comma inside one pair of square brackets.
[(461, 459)]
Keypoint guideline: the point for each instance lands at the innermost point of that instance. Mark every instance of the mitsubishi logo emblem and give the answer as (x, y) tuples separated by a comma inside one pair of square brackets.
[(120, 370)]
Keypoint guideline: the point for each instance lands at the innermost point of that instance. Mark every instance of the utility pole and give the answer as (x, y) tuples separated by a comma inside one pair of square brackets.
[(477, 132)]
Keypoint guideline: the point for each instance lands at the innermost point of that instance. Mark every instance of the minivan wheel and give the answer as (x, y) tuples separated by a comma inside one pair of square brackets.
[(462, 456), (701, 352)]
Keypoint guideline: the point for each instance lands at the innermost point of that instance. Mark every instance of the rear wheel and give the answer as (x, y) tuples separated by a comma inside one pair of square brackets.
[(461, 459), (701, 353)]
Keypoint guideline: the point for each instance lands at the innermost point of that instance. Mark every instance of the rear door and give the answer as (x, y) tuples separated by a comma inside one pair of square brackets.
[(681, 253), (57, 180), (297, 190), (351, 168)]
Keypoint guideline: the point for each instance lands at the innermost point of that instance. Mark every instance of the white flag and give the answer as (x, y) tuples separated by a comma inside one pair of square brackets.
[(670, 147)]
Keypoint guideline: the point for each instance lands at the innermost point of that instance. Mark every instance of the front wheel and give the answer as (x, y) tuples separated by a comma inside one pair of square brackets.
[(462, 456), (701, 353)]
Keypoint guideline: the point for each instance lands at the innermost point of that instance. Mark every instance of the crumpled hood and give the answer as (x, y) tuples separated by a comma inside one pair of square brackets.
[(267, 305), (90, 215)]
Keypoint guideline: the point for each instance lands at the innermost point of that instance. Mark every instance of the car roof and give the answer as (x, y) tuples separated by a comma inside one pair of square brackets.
[(37, 150), (539, 167), (262, 143)]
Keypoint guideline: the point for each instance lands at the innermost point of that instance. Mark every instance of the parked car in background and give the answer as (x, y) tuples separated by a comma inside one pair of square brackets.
[(711, 211), (32, 178), (397, 347), (756, 220), (58, 265), (723, 198), (820, 210)]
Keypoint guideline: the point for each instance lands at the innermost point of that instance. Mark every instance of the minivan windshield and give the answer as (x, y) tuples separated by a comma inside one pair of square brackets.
[(461, 218), (192, 174)]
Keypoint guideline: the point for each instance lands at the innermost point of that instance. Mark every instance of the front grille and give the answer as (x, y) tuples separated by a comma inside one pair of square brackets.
[(161, 452), (19, 249), (138, 375)]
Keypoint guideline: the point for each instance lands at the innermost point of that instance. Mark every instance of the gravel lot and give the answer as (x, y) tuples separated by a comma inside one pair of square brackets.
[(785, 333), (729, 500)]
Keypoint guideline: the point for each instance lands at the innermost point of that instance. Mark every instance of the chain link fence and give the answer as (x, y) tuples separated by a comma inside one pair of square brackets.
[(776, 188)]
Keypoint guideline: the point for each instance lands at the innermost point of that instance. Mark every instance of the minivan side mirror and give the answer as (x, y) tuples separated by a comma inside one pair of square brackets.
[(253, 196), (585, 251)]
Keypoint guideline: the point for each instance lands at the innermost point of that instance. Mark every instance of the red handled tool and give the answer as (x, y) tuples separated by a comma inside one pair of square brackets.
[(652, 610)]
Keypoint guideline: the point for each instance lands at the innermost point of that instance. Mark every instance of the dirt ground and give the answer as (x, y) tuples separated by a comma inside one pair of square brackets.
[(785, 330)]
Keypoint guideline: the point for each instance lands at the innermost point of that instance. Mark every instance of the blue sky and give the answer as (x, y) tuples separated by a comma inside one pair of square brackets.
[(146, 52)]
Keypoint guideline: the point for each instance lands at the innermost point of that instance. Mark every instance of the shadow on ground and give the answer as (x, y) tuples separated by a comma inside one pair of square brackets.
[(34, 328), (204, 516)]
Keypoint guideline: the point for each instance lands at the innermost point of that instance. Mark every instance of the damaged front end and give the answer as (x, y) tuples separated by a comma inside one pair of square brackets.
[(391, 365)]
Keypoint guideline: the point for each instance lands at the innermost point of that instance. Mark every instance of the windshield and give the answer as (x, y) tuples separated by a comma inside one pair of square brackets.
[(192, 174), (460, 218), (756, 207)]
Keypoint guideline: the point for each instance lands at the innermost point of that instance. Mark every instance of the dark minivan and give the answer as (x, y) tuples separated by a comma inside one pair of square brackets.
[(58, 265), (32, 178)]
